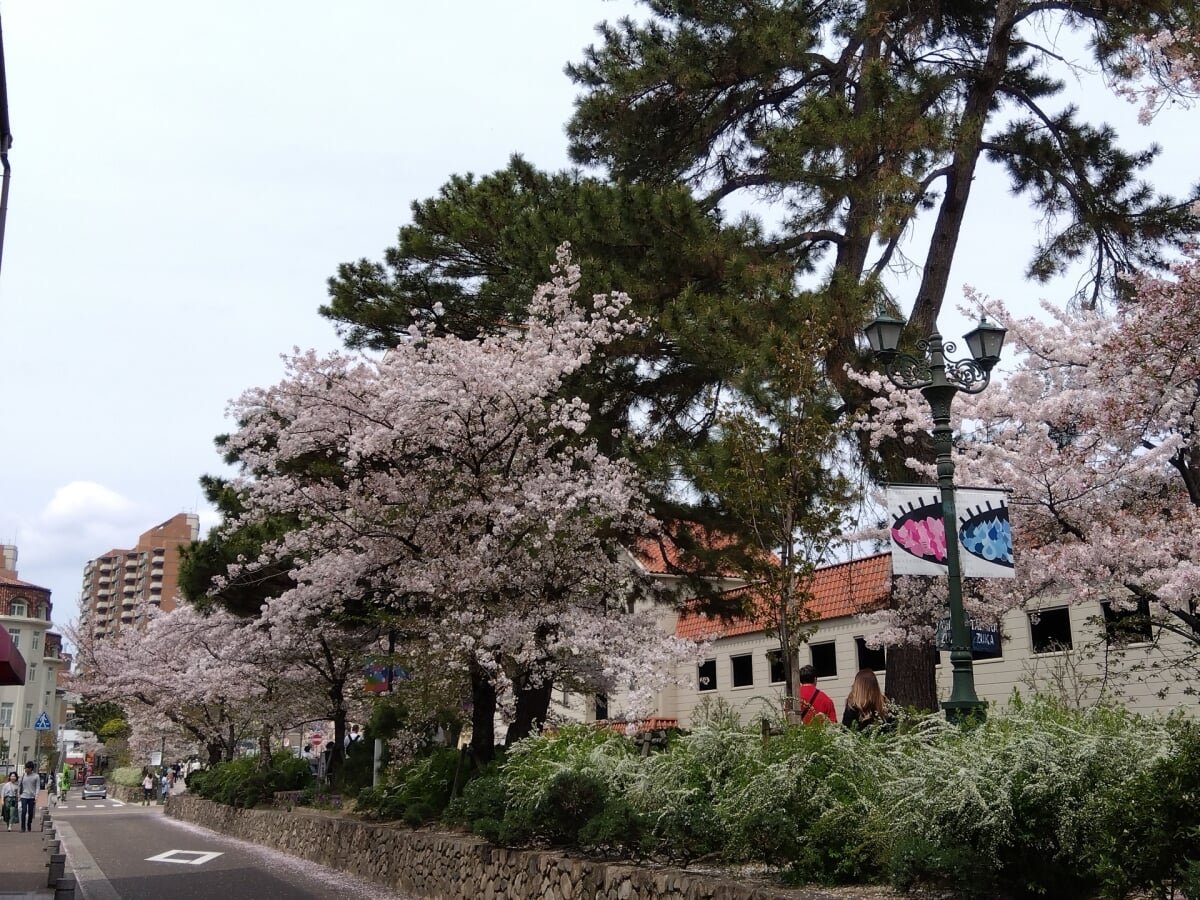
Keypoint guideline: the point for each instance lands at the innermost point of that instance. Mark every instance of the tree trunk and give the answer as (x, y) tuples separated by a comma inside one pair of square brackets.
[(912, 676), (216, 751), (264, 749), (337, 696), (532, 705), (483, 717)]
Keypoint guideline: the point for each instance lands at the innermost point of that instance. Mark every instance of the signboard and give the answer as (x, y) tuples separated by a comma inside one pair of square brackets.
[(42, 723), (985, 642), (919, 537)]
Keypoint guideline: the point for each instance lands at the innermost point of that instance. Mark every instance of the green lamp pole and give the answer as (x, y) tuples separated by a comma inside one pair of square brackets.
[(939, 379)]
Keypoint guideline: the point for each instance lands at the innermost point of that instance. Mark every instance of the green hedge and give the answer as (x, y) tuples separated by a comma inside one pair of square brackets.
[(1036, 800), (243, 783)]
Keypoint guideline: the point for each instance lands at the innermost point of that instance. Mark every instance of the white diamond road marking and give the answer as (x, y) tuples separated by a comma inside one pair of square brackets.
[(187, 857)]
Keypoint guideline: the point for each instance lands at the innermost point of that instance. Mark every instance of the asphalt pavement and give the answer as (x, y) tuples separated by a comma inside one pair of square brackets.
[(126, 851)]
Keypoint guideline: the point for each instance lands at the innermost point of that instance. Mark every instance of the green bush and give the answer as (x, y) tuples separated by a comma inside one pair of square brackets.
[(1144, 831), (484, 797), (129, 776), (417, 793), (242, 783), (616, 830), (569, 801)]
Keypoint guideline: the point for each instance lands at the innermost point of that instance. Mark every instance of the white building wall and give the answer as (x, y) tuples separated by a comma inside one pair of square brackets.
[(1087, 673)]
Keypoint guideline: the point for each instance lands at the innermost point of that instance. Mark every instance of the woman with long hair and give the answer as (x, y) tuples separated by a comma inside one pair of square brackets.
[(865, 704)]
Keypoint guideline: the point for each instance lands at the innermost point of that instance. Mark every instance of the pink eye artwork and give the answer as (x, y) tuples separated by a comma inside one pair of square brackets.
[(919, 536)]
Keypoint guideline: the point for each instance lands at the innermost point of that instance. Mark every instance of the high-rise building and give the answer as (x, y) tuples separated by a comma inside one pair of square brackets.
[(120, 586), (25, 614)]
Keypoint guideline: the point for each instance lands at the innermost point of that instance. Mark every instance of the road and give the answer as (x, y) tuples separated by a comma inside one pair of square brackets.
[(122, 851)]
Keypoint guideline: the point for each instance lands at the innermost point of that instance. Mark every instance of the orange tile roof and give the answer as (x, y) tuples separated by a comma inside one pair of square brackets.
[(842, 589), (661, 554)]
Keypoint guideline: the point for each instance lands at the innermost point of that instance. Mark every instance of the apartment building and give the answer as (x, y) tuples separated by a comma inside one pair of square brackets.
[(25, 611), (121, 585)]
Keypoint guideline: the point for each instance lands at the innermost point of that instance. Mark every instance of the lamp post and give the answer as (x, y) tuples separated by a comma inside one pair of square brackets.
[(939, 379)]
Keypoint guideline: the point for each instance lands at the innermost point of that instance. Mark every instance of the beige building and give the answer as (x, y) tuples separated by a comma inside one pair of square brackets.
[(119, 586), (25, 611), (1080, 653)]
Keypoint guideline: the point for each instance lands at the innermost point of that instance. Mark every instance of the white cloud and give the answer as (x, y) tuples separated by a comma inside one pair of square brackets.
[(78, 502)]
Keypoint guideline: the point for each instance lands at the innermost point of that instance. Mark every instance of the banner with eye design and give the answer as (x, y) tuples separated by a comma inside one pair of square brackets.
[(919, 537)]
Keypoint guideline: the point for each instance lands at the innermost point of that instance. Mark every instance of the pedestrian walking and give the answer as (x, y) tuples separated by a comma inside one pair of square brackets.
[(813, 701), (10, 792), (147, 787), (31, 783), (164, 786)]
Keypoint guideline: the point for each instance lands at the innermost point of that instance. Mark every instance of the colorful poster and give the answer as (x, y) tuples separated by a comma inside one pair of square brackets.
[(376, 677), (919, 537)]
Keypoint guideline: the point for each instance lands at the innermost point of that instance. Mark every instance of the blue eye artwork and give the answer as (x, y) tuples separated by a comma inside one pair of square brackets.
[(987, 534)]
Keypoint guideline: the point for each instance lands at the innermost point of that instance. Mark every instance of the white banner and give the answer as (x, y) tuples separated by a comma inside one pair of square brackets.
[(919, 537)]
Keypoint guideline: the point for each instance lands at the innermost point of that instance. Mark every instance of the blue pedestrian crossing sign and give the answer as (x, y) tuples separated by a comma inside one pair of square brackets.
[(42, 723)]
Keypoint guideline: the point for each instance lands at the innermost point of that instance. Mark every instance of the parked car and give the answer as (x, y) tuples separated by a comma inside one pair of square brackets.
[(94, 787)]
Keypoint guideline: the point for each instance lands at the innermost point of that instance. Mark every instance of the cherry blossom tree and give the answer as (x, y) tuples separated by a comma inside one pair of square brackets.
[(206, 675), (450, 481), (1094, 433)]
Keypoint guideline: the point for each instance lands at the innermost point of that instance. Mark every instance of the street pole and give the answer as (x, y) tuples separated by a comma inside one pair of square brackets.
[(939, 380)]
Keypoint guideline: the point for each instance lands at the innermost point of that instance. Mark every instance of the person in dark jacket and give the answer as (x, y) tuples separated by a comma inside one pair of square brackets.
[(865, 704)]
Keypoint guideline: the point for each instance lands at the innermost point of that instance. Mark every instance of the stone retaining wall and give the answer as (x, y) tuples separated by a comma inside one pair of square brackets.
[(451, 866)]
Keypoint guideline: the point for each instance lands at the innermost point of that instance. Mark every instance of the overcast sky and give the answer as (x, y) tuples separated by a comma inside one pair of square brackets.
[(186, 177)]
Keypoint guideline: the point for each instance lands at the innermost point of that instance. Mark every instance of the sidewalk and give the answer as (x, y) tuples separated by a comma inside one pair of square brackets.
[(24, 858)]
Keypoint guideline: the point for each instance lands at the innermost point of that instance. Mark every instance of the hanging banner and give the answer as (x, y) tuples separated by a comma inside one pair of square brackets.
[(919, 537)]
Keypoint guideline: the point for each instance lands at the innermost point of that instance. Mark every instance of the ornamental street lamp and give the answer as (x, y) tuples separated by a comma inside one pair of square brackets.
[(939, 379)]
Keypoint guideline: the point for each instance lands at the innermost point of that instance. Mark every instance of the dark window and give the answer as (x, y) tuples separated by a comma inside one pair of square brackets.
[(743, 670), (601, 707), (775, 666), (824, 659), (1050, 630), (708, 675), (869, 658), (1127, 626)]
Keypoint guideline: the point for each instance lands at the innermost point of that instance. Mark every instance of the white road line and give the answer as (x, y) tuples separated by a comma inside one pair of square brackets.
[(187, 857)]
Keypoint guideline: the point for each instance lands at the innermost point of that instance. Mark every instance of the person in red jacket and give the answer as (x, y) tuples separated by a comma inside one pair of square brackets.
[(813, 700)]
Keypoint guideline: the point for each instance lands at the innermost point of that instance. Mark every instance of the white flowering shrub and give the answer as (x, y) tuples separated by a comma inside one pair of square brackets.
[(1037, 799)]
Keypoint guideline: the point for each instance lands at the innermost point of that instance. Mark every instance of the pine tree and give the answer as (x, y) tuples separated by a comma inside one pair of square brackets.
[(857, 118)]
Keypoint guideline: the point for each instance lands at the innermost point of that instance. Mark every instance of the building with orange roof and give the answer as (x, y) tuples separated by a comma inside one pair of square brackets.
[(1076, 652), (1080, 653)]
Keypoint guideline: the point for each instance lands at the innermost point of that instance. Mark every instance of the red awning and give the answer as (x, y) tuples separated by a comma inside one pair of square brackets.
[(12, 663)]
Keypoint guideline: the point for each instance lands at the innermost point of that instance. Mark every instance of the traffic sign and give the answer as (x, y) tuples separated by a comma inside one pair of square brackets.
[(42, 723), (317, 738)]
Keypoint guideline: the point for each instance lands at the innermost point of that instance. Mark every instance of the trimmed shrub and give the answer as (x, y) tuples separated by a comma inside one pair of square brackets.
[(242, 783), (417, 793)]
